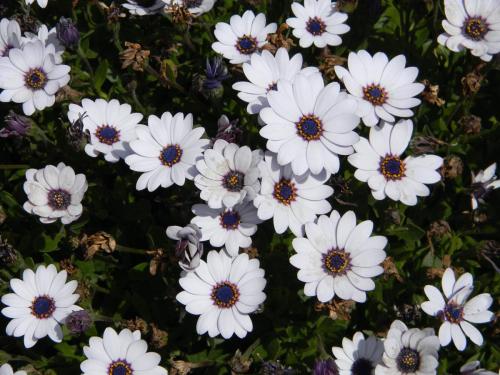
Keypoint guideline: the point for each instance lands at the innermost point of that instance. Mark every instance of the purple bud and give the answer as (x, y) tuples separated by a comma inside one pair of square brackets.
[(78, 322), (67, 33), (325, 367), (228, 130), (15, 126)]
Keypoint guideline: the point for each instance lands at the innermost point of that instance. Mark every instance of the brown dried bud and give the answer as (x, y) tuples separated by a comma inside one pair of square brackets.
[(240, 364), (431, 94), (68, 266), (113, 11), (470, 124), (471, 83), (67, 93), (279, 40), (180, 14), (439, 229), (157, 261), (337, 309), (159, 338), (183, 367), (134, 56), (100, 241), (136, 324), (252, 252), (452, 168), (390, 269), (328, 62)]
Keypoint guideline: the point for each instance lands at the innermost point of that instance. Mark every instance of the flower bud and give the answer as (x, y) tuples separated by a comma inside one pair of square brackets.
[(67, 33), (325, 367), (15, 126), (78, 322)]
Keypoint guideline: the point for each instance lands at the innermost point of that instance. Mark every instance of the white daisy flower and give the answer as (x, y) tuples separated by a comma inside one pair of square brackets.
[(229, 227), (41, 3), (10, 36), (111, 126), (121, 353), (195, 7), (40, 303), (31, 76), (166, 151), (473, 25), (458, 314), (472, 368), (47, 37), (358, 356), (223, 291), (6, 369), (144, 7), (290, 200), (263, 73), (483, 183), (409, 351), (228, 174), (309, 124), (338, 257), (385, 89), (318, 22), (242, 36), (379, 163), (55, 193)]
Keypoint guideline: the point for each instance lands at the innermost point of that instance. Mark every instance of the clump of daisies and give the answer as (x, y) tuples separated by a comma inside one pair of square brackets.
[(482, 184)]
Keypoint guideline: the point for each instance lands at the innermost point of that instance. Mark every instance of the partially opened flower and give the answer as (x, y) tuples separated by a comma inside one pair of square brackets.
[(48, 38), (6, 369), (379, 162), (473, 25), (338, 257), (144, 7), (318, 22), (482, 184), (244, 35), (10, 36), (121, 353), (41, 302), (385, 89), (111, 126), (358, 356), (189, 248), (223, 291), (455, 311), (472, 368), (55, 193), (195, 7)]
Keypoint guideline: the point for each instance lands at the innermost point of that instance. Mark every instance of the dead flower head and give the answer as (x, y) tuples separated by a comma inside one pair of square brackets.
[(328, 62), (337, 309), (453, 167), (431, 94), (279, 40), (134, 56), (180, 14), (470, 124), (100, 241), (390, 270)]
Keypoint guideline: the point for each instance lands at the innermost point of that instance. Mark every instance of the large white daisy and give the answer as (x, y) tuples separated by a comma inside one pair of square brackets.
[(483, 183), (358, 356), (309, 124), (195, 7), (473, 25), (166, 151), (31, 76), (242, 36), (144, 7), (10, 36), (409, 351), (338, 257), (263, 73), (318, 22), (228, 174), (55, 193), (111, 126), (229, 227), (121, 353), (379, 162), (6, 369), (385, 89), (290, 200), (40, 303), (458, 314), (223, 291)]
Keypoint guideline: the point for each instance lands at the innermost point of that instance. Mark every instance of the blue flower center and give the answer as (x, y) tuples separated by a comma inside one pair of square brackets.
[(233, 181), (43, 307), (408, 360), (230, 220), (362, 366), (246, 45), (336, 262), (392, 167), (285, 191), (171, 155), (225, 294), (315, 26), (453, 313), (120, 367), (35, 79), (475, 28), (59, 199), (375, 94), (309, 127), (107, 134)]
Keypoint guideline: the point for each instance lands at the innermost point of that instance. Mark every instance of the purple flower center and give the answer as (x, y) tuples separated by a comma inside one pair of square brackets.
[(375, 94), (225, 294), (59, 199), (246, 45), (315, 26), (233, 181), (230, 220), (392, 167), (171, 155), (35, 79), (362, 366), (120, 367), (475, 28), (310, 128), (285, 191), (43, 307), (408, 360), (107, 134), (336, 262)]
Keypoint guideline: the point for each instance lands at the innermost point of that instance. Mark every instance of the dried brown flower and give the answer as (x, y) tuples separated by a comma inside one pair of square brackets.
[(159, 337), (337, 309), (100, 241), (240, 364), (439, 229), (279, 40), (252, 252), (113, 11), (134, 56), (66, 93), (157, 261), (452, 167), (390, 269), (328, 62), (470, 124), (180, 14), (183, 367), (136, 324), (68, 266), (431, 94), (471, 83)]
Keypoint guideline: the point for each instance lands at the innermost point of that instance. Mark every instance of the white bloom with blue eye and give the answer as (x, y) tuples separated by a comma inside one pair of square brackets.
[(358, 356), (144, 7), (6, 369), (10, 36), (483, 183)]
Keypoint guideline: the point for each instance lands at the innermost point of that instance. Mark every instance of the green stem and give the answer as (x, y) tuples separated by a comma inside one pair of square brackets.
[(81, 54), (7, 167), (130, 250), (165, 80)]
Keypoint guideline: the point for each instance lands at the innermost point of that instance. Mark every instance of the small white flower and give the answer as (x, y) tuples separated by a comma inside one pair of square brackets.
[(318, 22), (6, 369), (379, 163), (458, 314), (166, 151), (483, 183), (385, 89), (338, 257), (121, 353), (242, 36), (195, 7), (40, 303), (223, 291), (228, 174), (229, 227), (111, 126), (290, 200), (10, 36), (144, 7), (31, 76), (472, 368), (473, 25), (47, 37), (309, 124), (41, 3), (358, 356), (409, 351), (263, 73), (55, 193), (189, 246)]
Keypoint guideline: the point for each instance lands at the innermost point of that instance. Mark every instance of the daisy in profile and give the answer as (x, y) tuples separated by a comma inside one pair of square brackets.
[(358, 356), (6, 369), (473, 368), (338, 257), (482, 184), (40, 304), (166, 151), (229, 227), (195, 7), (455, 311), (144, 7), (223, 291), (55, 193), (48, 37), (123, 353), (309, 124), (409, 351), (41, 3), (290, 200), (228, 174), (385, 89), (318, 22), (379, 162), (263, 72), (31, 76), (111, 126), (189, 248), (10, 36), (244, 35), (472, 25)]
